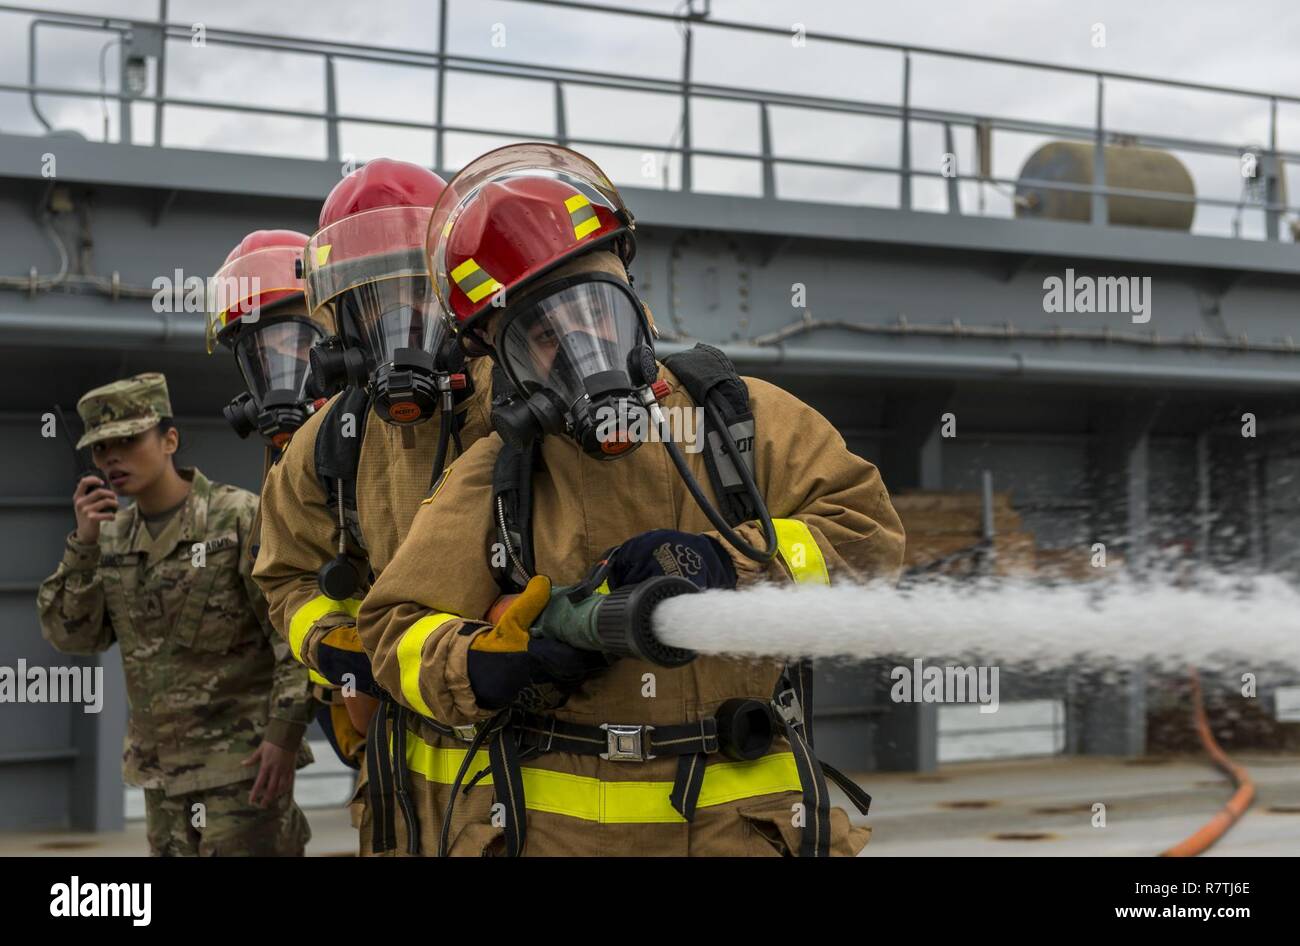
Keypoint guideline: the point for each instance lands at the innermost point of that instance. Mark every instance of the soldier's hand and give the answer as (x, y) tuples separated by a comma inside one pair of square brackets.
[(274, 773), (93, 503)]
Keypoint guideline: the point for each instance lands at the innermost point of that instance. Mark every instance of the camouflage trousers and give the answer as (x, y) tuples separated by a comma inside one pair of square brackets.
[(225, 825)]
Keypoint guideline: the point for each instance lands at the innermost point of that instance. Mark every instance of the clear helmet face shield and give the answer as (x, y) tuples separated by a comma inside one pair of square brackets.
[(371, 268), (578, 355), (392, 314), (274, 358)]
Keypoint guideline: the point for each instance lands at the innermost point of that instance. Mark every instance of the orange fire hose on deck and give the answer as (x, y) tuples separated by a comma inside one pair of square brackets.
[(1227, 816)]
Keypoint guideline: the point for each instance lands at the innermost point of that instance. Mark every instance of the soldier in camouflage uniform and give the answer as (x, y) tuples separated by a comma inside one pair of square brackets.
[(218, 705)]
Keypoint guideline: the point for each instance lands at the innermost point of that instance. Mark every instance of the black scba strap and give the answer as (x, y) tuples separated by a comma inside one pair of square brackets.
[(512, 478), (512, 511), (712, 382), (389, 785), (379, 787), (337, 457)]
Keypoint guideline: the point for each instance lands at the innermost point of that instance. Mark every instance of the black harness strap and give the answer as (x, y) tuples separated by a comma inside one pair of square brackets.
[(337, 457), (691, 743), (545, 733), (800, 676), (389, 780), (402, 780), (493, 727), (816, 841), (383, 826), (508, 787), (856, 794), (512, 477), (687, 784), (709, 377)]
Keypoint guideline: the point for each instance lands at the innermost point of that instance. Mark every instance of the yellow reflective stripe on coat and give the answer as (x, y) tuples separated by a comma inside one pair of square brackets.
[(310, 613), (590, 799), (800, 552), (409, 649), (317, 678)]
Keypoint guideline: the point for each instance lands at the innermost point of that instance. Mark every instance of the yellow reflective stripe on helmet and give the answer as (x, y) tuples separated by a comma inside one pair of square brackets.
[(409, 649), (474, 280), (323, 253), (313, 611), (582, 215), (580, 796), (800, 552)]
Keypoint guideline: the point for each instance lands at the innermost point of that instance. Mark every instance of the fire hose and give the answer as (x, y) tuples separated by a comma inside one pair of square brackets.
[(621, 624), (1200, 840)]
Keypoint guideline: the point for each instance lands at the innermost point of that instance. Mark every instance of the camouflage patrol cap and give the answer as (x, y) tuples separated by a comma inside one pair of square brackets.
[(123, 408)]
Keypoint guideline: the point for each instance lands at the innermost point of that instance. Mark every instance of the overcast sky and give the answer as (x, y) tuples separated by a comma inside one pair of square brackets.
[(1246, 45)]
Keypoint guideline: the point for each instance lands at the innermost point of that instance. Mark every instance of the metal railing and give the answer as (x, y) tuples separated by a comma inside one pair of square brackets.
[(142, 41)]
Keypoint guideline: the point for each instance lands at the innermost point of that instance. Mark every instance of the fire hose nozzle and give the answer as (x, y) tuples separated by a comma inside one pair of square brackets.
[(620, 623)]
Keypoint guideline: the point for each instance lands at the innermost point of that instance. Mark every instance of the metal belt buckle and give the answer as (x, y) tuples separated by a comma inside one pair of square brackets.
[(787, 706), (626, 743), (465, 733)]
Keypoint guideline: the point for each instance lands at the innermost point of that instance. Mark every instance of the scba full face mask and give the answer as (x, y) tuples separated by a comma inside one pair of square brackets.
[(578, 354), (274, 360)]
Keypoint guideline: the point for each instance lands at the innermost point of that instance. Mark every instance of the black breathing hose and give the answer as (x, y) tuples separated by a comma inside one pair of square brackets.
[(445, 423), (715, 517)]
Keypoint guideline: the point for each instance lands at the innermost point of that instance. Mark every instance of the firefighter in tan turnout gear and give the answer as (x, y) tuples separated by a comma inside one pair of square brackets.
[(257, 311), (217, 705), (366, 458), (593, 750)]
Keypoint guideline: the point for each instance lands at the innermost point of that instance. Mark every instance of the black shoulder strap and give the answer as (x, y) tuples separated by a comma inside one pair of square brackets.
[(512, 511), (337, 456), (712, 382)]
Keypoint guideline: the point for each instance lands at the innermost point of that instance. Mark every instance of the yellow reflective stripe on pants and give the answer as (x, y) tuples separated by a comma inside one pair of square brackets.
[(590, 799), (313, 611), (409, 649), (800, 552)]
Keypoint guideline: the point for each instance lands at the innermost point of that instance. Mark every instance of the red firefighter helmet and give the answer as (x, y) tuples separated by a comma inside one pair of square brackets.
[(372, 228), (381, 183), (258, 273), (515, 214)]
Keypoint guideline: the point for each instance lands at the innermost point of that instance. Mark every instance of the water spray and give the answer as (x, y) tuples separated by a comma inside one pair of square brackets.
[(1034, 625)]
